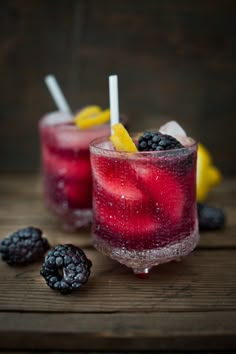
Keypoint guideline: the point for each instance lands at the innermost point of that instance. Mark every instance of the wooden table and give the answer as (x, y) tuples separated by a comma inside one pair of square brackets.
[(190, 305)]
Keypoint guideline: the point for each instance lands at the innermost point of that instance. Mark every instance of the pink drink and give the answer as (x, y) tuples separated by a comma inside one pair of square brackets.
[(67, 169), (144, 204)]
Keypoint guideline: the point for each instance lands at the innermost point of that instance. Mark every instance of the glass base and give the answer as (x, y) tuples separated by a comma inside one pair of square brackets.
[(77, 219), (72, 219), (142, 261)]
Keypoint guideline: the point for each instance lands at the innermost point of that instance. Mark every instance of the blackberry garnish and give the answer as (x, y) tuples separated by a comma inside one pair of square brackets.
[(24, 246), (66, 268), (156, 141), (210, 218)]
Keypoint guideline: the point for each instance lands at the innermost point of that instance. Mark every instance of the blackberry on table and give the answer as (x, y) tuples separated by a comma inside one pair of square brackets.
[(210, 218), (24, 246), (66, 268), (156, 141)]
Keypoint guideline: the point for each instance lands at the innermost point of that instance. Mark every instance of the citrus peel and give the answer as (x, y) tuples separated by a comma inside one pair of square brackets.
[(208, 176), (121, 139), (91, 116)]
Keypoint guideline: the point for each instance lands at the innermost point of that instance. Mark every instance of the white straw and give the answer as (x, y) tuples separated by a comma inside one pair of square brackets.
[(57, 94), (114, 99)]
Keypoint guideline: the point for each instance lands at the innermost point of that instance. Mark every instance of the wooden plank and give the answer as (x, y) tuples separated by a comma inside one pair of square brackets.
[(189, 305), (53, 230), (31, 185), (20, 184), (21, 204), (201, 282), (224, 195), (54, 233), (140, 331)]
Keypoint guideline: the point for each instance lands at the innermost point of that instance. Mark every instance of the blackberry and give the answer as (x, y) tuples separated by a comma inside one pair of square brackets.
[(210, 218), (66, 268), (24, 246), (156, 141)]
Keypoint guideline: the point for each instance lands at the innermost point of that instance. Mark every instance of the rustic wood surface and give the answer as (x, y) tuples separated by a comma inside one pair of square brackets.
[(174, 58), (189, 305)]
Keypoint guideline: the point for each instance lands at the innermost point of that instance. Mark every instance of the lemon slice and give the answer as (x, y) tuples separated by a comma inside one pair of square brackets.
[(94, 119), (208, 176), (121, 139), (86, 112)]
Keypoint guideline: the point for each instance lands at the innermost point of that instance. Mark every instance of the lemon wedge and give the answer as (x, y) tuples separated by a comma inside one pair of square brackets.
[(91, 116), (121, 139), (86, 112), (208, 176)]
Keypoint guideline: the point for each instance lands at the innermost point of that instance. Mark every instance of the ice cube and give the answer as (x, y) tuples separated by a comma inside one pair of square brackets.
[(57, 117), (174, 129)]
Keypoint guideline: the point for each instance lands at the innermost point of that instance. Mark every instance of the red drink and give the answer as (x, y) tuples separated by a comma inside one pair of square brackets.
[(66, 168), (144, 204)]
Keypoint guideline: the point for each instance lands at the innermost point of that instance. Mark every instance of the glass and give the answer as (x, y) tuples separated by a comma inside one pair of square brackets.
[(144, 204), (66, 168)]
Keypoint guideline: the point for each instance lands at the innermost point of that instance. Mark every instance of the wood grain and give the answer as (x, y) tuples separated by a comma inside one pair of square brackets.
[(181, 306), (21, 204), (204, 280), (158, 331)]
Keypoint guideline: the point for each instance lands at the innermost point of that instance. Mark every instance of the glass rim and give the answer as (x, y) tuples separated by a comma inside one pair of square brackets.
[(94, 147), (66, 125), (69, 124)]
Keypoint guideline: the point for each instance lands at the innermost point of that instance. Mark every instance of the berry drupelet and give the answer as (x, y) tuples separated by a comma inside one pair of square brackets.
[(66, 268), (24, 246), (210, 218), (156, 141)]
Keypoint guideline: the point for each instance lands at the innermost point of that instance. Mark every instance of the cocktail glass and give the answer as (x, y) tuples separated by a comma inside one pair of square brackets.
[(66, 168), (144, 204)]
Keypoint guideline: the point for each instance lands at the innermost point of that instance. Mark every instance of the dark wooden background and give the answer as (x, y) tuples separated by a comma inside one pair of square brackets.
[(174, 59)]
